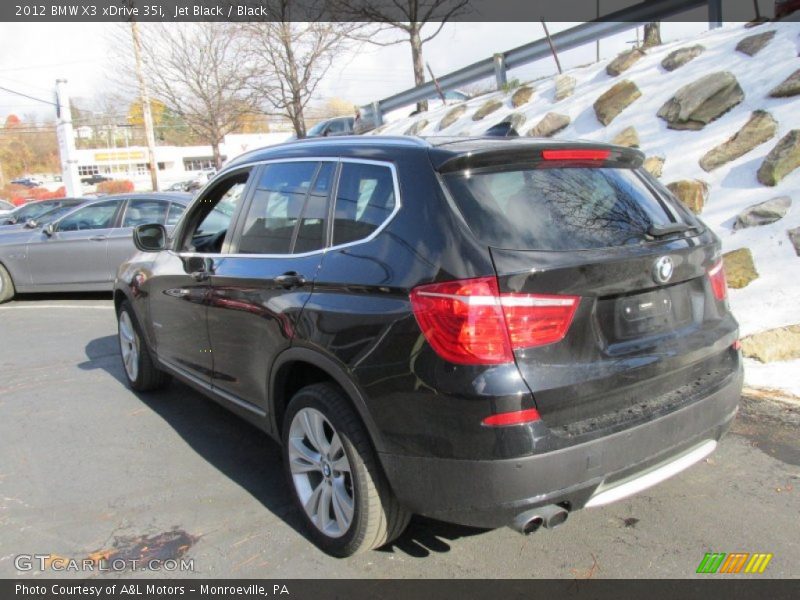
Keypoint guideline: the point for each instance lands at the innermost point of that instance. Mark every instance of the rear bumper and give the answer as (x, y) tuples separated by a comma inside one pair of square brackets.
[(490, 493)]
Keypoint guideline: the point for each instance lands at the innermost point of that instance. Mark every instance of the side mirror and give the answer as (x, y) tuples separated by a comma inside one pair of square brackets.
[(31, 224), (150, 238), (49, 230)]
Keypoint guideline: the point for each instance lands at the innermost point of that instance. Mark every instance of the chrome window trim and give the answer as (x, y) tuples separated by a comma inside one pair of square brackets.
[(381, 163)]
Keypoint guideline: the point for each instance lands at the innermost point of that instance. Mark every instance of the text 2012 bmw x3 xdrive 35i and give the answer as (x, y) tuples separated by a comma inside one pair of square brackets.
[(485, 331)]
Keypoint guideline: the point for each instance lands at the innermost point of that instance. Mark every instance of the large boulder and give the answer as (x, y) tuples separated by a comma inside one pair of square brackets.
[(752, 44), (654, 165), (565, 86), (782, 159), (486, 108), (550, 125), (521, 96), (681, 56), (760, 128), (698, 103), (627, 137), (739, 268), (615, 100), (453, 115), (789, 87), (763, 213), (782, 343), (417, 127), (692, 192), (794, 237), (624, 61)]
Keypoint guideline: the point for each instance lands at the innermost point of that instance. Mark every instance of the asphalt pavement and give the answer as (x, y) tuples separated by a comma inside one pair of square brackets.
[(88, 468)]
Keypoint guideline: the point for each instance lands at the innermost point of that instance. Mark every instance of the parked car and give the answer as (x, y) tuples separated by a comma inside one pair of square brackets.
[(784, 8), (179, 186), (328, 127), (32, 210), (95, 179), (489, 331), (40, 220), (27, 182), (81, 250), (6, 207)]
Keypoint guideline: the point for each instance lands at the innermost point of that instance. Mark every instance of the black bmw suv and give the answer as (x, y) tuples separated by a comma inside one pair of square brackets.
[(484, 331)]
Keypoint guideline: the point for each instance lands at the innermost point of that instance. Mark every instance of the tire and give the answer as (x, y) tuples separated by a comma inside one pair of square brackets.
[(137, 361), (352, 473), (7, 290)]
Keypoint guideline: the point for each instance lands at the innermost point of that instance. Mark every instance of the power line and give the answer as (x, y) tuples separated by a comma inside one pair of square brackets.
[(28, 68), (5, 89)]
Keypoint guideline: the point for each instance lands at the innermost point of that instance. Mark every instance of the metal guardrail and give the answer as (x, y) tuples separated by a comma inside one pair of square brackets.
[(617, 22)]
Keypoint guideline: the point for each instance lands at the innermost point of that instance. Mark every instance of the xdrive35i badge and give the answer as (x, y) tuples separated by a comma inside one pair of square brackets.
[(662, 269)]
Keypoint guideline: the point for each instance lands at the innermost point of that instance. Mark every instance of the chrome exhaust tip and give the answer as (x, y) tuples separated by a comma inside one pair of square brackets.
[(532, 520)]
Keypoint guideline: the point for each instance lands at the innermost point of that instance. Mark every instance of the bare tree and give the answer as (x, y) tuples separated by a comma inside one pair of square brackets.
[(291, 58), (652, 35), (200, 72), (407, 18)]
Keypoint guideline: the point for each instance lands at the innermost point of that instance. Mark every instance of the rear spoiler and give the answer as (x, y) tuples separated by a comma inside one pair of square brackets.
[(525, 153)]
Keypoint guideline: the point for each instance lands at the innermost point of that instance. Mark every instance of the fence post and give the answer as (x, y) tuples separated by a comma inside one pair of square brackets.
[(377, 116), (500, 70), (714, 14)]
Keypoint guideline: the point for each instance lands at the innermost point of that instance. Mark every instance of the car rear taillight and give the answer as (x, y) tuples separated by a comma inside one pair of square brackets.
[(717, 276), (470, 322), (576, 154)]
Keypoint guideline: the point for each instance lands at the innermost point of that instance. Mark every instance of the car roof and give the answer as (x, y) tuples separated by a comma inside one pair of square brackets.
[(441, 149), (180, 197)]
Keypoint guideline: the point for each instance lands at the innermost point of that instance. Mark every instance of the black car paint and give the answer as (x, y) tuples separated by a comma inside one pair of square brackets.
[(350, 320)]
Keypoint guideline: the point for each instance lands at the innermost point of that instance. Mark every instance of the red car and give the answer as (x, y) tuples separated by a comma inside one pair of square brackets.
[(783, 8)]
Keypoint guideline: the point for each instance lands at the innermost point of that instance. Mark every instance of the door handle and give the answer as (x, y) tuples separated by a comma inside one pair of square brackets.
[(290, 280), (98, 238)]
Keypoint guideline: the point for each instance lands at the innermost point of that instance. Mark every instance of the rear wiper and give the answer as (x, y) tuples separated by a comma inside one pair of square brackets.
[(658, 231)]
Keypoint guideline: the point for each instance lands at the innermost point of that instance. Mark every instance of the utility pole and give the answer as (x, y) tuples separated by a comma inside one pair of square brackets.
[(148, 116), (66, 141)]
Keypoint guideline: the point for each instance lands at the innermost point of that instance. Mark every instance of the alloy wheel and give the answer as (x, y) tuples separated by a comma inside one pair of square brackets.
[(321, 472), (129, 345)]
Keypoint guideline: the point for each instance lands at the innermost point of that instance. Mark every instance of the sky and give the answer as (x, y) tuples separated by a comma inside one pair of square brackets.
[(34, 55)]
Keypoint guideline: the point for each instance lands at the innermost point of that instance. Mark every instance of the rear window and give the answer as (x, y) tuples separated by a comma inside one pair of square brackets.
[(576, 208)]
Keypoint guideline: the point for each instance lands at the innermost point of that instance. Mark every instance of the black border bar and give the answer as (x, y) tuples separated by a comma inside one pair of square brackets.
[(34, 11), (738, 588)]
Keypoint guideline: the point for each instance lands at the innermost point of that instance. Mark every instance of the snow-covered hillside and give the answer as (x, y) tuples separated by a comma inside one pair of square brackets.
[(771, 300)]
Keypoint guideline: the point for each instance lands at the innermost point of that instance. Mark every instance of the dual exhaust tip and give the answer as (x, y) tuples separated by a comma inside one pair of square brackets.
[(549, 517)]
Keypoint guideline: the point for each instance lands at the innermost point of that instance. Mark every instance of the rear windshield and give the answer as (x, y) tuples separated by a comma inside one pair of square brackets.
[(576, 208)]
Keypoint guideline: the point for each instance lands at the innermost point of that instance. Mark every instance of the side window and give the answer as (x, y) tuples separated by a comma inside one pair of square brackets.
[(211, 218), (311, 229), (288, 209), (143, 212), (364, 200), (175, 212), (96, 216), (336, 127)]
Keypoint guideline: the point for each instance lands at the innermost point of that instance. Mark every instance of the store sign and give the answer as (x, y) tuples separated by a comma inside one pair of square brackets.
[(119, 156)]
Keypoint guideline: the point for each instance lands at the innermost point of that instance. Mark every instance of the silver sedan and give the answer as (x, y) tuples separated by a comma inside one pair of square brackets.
[(81, 250)]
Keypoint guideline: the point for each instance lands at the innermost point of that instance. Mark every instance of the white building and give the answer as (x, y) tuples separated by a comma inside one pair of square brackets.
[(175, 163)]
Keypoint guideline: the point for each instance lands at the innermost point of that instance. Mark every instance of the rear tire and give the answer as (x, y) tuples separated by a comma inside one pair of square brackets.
[(337, 483), (137, 362), (7, 290)]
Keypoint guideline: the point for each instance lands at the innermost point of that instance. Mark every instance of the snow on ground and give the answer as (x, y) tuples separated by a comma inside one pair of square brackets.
[(772, 300)]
